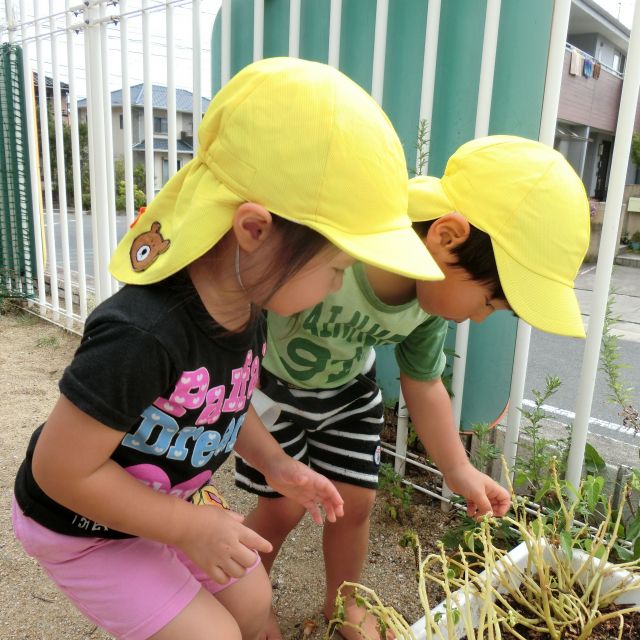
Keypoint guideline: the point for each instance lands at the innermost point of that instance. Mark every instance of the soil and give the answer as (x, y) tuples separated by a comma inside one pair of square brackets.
[(33, 354), (607, 630)]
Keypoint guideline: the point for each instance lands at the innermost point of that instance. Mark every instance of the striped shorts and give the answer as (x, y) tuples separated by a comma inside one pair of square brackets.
[(335, 431)]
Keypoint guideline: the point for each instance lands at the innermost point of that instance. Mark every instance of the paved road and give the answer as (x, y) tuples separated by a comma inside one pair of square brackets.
[(121, 227), (562, 357)]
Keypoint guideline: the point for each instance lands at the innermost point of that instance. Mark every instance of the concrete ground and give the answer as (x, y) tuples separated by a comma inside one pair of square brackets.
[(551, 355)]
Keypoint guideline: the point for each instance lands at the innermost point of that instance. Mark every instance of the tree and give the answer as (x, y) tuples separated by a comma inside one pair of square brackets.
[(83, 135), (635, 154), (139, 177)]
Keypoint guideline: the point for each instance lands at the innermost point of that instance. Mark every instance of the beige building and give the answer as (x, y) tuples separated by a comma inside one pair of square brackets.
[(184, 127)]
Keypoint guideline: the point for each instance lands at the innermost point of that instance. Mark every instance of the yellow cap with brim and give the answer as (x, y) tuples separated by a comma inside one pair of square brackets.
[(305, 142), (533, 205)]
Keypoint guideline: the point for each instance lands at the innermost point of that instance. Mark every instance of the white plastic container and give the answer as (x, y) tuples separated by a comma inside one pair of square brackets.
[(519, 556)]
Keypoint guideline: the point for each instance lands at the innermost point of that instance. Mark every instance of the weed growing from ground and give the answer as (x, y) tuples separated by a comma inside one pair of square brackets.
[(396, 493), (51, 342)]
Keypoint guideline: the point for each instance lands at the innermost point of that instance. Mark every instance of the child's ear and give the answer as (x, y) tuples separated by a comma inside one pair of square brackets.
[(449, 231), (252, 225)]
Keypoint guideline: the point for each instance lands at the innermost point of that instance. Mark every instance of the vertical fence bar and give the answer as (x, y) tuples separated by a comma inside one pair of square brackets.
[(426, 111), (32, 137), (606, 251), (294, 28), (197, 74), (149, 143), (108, 138), (551, 99), (225, 44), (487, 67), (97, 284), (171, 93), (60, 170), (379, 50), (46, 166), (95, 107), (127, 135), (8, 8), (429, 70), (77, 169), (483, 113), (258, 29), (335, 22)]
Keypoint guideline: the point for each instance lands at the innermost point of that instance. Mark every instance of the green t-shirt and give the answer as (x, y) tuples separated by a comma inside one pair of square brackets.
[(328, 345)]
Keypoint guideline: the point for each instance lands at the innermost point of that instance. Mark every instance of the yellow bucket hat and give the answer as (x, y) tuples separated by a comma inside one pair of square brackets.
[(305, 142), (532, 204)]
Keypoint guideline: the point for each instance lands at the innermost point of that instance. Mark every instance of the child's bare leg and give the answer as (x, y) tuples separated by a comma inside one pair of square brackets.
[(346, 542), (204, 618), (273, 519), (254, 588)]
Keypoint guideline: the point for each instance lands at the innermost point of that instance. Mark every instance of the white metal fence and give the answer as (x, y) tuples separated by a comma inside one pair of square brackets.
[(88, 50), (72, 44)]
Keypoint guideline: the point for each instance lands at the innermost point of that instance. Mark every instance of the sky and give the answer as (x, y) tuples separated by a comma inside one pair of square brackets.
[(621, 9), (157, 28)]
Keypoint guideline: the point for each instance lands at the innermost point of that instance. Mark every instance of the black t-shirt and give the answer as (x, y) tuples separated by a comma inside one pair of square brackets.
[(153, 364)]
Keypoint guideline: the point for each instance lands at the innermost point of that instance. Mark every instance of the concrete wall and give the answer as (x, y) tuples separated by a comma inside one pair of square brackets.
[(629, 221)]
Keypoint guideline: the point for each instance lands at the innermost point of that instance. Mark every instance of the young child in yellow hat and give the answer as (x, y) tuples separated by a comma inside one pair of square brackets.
[(269, 214), (509, 227)]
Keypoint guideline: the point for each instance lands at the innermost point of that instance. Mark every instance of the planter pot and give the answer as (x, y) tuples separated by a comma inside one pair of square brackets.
[(519, 557)]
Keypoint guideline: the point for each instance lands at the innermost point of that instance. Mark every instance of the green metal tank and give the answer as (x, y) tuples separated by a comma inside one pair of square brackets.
[(519, 78)]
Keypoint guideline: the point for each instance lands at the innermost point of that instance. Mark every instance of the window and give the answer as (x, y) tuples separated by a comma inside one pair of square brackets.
[(160, 125), (165, 170), (121, 121), (616, 60)]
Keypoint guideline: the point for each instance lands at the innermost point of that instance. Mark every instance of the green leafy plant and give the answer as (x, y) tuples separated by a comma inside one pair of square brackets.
[(635, 149), (422, 148), (396, 493), (485, 451), (534, 450), (139, 196), (613, 369)]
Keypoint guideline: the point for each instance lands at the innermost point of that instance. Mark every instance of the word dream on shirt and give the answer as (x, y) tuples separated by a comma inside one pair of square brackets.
[(160, 434)]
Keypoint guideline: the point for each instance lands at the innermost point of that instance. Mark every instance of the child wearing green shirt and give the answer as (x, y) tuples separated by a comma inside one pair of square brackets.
[(508, 225)]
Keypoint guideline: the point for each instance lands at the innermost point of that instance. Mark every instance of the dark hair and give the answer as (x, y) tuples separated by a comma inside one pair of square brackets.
[(297, 244), (475, 256)]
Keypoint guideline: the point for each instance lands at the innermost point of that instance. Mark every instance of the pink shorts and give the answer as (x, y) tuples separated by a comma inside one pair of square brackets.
[(131, 588)]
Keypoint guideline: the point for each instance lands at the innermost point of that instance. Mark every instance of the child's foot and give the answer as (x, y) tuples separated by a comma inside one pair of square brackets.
[(272, 628), (366, 623)]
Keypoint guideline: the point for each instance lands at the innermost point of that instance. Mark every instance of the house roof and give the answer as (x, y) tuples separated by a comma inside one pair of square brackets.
[(587, 16), (159, 98), (49, 82), (162, 144)]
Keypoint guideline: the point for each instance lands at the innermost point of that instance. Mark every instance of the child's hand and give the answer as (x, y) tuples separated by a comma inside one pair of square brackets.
[(306, 487), (483, 494), (217, 541)]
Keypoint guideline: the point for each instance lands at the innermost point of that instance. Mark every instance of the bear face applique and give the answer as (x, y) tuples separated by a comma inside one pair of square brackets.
[(146, 248)]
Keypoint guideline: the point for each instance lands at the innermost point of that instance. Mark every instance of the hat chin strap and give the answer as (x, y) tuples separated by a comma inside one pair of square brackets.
[(238, 278)]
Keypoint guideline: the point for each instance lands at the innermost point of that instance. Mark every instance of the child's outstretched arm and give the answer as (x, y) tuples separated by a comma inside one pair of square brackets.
[(72, 465), (284, 474), (431, 413)]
